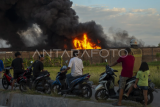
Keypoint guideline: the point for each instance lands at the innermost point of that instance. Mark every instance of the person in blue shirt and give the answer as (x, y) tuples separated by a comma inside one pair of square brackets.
[(1, 68)]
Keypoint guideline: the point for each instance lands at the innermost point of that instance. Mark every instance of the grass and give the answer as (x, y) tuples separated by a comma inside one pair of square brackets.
[(154, 63), (95, 72)]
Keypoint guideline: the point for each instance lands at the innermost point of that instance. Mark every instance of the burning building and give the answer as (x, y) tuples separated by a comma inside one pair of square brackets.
[(51, 24)]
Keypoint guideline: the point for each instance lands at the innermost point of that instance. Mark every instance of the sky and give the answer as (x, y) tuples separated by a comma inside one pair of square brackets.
[(140, 18)]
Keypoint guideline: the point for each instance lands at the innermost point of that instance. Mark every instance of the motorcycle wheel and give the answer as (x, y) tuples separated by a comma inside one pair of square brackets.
[(5, 83), (23, 86), (150, 98), (47, 88), (45, 85), (101, 94), (56, 89), (88, 91)]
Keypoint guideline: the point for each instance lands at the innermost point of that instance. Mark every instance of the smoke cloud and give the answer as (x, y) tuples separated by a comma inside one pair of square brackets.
[(33, 36), (51, 23), (121, 38), (3, 44)]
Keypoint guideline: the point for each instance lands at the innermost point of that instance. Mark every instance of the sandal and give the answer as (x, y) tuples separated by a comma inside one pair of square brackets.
[(125, 95)]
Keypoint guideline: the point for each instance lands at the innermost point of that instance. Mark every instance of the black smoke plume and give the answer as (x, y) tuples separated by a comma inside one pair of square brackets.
[(58, 23)]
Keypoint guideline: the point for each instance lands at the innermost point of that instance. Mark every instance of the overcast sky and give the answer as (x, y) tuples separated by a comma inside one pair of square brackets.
[(141, 18)]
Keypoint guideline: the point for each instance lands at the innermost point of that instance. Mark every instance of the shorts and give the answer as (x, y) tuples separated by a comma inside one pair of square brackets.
[(122, 82), (143, 87), (16, 75)]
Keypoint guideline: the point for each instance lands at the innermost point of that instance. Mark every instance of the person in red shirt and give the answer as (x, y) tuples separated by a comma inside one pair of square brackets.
[(127, 72)]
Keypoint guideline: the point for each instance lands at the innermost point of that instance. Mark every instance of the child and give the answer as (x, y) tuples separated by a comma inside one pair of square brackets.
[(142, 80)]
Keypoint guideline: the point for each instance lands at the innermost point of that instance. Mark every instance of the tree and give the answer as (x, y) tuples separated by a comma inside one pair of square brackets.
[(159, 45)]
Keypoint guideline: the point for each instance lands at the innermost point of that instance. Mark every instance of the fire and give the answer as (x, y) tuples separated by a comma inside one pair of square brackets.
[(85, 43)]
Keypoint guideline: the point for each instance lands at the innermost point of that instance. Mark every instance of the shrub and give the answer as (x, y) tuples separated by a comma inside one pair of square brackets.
[(86, 63), (7, 61), (48, 62), (158, 55), (58, 61), (25, 62)]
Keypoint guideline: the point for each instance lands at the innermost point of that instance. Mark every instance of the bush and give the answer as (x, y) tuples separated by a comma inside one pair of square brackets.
[(86, 63), (7, 61), (25, 62), (103, 64), (58, 61), (158, 55), (48, 62)]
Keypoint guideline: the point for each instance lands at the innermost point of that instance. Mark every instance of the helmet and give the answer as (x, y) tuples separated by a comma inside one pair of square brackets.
[(134, 42)]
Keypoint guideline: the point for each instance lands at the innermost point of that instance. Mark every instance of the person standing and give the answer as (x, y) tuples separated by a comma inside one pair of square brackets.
[(137, 53), (1, 68), (18, 67), (127, 72)]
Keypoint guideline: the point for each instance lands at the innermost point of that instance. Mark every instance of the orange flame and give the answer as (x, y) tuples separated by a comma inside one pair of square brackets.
[(85, 43)]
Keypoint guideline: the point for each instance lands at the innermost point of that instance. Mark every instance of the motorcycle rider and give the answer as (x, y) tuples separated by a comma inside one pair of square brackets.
[(76, 66), (18, 67), (38, 67), (127, 72)]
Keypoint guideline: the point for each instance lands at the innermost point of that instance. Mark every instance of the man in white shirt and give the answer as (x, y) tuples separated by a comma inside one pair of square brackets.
[(76, 66)]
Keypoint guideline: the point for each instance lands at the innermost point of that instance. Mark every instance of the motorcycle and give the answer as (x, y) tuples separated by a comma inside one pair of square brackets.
[(7, 78), (40, 83), (79, 86), (106, 88)]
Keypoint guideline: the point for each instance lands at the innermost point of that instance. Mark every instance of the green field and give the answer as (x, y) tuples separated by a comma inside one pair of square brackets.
[(95, 71)]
